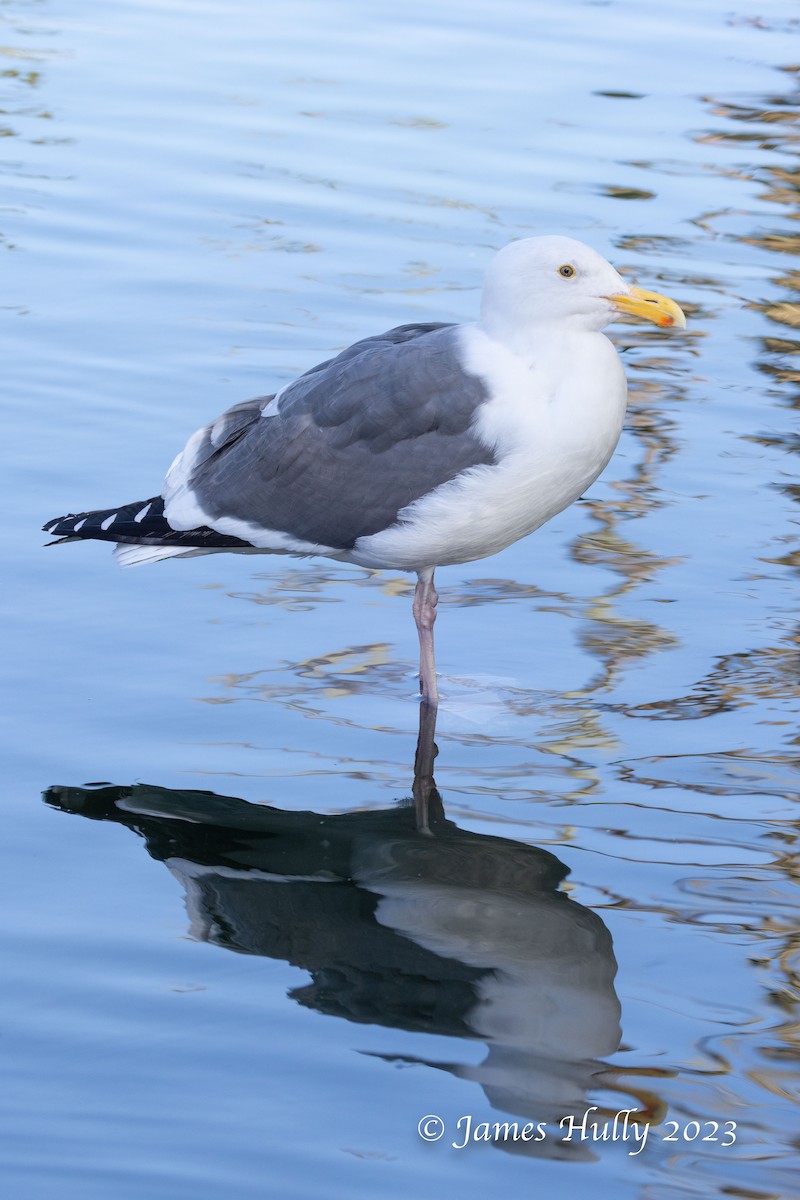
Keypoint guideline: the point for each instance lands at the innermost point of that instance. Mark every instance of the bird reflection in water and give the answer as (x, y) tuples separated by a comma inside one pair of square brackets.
[(403, 920)]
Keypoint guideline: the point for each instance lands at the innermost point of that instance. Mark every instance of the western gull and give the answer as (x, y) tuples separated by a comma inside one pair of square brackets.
[(426, 445)]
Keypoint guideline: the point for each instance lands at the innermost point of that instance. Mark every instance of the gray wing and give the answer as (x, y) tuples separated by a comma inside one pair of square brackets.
[(348, 445)]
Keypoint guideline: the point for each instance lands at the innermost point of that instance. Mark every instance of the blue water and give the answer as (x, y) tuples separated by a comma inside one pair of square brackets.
[(261, 994)]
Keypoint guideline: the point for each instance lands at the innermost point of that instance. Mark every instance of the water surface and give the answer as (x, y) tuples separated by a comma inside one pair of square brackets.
[(265, 990)]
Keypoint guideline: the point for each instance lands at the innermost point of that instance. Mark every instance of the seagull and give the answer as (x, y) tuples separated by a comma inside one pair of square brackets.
[(428, 445)]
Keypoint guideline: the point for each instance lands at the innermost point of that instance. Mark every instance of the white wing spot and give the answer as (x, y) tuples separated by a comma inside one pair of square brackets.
[(79, 525), (108, 521), (270, 409), (142, 513)]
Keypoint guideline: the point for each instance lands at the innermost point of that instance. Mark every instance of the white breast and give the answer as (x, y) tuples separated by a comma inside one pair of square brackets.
[(553, 423)]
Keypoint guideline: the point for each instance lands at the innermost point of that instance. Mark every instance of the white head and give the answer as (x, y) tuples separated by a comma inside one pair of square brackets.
[(537, 284)]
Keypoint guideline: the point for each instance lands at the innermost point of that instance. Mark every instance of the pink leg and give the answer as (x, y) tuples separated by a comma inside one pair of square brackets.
[(425, 601)]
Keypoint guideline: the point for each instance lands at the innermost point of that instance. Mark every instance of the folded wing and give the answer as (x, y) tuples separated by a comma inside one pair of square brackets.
[(340, 452)]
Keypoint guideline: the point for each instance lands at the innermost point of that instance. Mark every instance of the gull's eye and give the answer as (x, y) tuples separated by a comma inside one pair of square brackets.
[(567, 271)]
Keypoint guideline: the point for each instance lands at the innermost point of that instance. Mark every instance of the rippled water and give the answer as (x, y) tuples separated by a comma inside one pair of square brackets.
[(200, 200)]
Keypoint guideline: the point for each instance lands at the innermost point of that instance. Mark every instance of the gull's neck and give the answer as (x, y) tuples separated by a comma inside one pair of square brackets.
[(536, 341)]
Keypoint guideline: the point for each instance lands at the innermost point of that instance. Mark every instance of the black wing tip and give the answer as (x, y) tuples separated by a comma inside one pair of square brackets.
[(139, 524), (104, 523), (50, 527)]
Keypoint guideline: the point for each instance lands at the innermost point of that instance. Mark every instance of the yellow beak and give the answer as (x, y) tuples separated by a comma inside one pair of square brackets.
[(652, 306)]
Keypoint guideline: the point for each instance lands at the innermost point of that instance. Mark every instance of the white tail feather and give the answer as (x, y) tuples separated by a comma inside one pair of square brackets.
[(136, 556)]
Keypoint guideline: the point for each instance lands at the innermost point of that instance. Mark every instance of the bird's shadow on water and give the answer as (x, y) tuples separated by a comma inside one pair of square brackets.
[(403, 920)]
